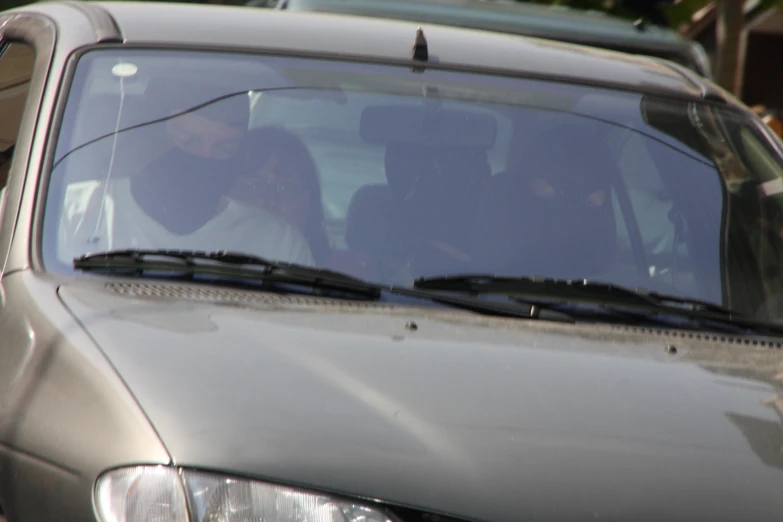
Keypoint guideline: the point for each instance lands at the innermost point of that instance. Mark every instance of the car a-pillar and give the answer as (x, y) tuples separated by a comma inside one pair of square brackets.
[(17, 63)]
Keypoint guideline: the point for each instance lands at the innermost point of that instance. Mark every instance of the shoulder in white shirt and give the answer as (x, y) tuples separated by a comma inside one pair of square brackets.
[(117, 222)]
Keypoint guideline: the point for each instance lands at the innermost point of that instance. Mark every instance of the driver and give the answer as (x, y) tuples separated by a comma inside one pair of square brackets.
[(180, 199)]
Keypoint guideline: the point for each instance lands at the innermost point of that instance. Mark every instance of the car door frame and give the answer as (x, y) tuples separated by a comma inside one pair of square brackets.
[(40, 33)]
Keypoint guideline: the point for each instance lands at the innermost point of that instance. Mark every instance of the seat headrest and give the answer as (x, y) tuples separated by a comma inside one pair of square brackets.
[(374, 222), (405, 163)]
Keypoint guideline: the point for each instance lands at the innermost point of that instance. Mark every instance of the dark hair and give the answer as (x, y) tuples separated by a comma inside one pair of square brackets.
[(290, 151)]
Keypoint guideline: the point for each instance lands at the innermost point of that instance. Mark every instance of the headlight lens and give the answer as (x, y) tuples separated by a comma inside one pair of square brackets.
[(164, 494)]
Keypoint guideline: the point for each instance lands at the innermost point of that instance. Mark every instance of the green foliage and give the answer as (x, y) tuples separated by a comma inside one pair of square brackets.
[(677, 14), (681, 12), (10, 4)]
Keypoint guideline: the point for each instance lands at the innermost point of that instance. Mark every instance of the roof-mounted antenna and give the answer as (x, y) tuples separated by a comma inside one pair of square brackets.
[(420, 51)]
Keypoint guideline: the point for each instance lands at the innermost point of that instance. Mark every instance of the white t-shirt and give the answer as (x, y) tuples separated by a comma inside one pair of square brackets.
[(123, 224)]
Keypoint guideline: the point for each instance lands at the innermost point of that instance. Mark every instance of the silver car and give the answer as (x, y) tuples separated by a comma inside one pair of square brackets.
[(270, 266)]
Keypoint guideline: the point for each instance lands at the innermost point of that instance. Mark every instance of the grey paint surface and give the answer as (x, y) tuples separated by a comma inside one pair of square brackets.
[(559, 20), (65, 415), (535, 424), (556, 23), (55, 30), (389, 39)]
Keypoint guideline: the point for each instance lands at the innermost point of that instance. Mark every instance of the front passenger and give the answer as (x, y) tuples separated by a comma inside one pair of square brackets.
[(178, 201)]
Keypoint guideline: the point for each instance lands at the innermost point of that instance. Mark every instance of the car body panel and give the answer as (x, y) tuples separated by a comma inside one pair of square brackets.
[(40, 33), (360, 37), (436, 418), (64, 412), (555, 23), (55, 30)]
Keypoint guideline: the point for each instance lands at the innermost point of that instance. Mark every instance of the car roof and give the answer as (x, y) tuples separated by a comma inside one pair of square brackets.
[(362, 38), (559, 22), (595, 28)]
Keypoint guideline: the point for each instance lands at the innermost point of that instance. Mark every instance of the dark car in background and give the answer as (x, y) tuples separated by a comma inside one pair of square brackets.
[(561, 23), (271, 266)]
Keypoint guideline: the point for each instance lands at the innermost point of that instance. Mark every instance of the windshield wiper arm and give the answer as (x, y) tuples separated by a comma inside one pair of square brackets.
[(563, 289), (244, 267), (547, 292), (224, 264)]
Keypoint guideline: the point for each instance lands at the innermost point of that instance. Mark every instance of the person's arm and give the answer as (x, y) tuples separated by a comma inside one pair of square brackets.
[(263, 234), (89, 231), (295, 247)]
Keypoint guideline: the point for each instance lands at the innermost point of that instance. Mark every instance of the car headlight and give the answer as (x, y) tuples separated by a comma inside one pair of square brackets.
[(165, 494)]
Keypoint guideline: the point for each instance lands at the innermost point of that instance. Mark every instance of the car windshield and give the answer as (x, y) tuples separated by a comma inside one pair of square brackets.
[(392, 174)]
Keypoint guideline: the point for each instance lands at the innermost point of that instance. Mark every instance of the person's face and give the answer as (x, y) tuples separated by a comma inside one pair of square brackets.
[(588, 198), (277, 189), (203, 137)]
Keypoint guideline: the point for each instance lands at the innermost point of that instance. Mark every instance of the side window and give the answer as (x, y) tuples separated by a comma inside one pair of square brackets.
[(765, 233), (17, 61)]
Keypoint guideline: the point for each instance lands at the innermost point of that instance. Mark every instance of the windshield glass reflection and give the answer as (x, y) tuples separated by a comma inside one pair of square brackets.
[(390, 175)]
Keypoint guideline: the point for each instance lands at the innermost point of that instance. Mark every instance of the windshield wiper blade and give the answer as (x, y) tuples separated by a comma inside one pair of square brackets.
[(224, 264), (244, 267), (561, 288), (548, 292)]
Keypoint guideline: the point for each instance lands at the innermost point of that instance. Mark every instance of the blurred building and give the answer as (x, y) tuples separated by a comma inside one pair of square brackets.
[(761, 52)]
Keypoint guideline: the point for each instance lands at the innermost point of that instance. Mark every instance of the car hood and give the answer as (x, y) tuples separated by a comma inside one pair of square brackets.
[(487, 419)]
